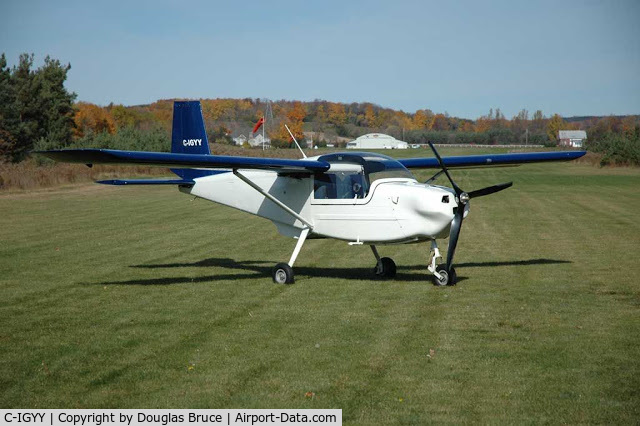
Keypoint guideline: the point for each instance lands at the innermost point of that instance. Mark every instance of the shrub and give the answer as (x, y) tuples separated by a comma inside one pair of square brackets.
[(617, 149)]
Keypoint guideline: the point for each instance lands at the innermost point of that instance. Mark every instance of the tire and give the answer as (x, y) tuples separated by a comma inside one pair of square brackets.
[(449, 278), (282, 274), (388, 268)]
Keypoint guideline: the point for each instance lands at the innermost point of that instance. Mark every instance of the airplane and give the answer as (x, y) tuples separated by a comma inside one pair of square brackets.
[(358, 197)]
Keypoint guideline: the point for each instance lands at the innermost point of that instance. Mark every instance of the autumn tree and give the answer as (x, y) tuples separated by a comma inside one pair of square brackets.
[(294, 120), (490, 121), (370, 117), (336, 114), (440, 122), (403, 121), (123, 116), (423, 119), (321, 114), (554, 125), (629, 126), (90, 118), (466, 126), (482, 124)]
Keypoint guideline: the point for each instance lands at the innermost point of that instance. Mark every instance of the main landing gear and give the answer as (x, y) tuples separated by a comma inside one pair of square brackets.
[(283, 272), (385, 267)]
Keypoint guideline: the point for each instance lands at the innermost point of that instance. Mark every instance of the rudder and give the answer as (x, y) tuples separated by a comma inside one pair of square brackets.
[(188, 136)]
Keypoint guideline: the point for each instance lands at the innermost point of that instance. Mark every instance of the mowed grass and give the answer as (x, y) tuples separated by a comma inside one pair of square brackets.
[(139, 297)]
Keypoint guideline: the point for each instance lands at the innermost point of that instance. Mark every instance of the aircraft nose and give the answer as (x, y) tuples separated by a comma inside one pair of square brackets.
[(436, 200)]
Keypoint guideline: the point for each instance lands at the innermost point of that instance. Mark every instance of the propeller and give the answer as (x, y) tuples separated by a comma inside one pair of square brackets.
[(462, 198)]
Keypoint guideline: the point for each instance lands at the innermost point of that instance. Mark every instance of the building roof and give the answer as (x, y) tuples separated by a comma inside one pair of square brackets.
[(572, 134), (376, 136)]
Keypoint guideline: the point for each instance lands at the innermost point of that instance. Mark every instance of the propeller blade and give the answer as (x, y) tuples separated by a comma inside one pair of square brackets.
[(489, 190), (454, 233), (444, 169)]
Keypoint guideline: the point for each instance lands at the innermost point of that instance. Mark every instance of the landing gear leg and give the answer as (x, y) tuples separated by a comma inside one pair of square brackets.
[(441, 276), (385, 267), (283, 272)]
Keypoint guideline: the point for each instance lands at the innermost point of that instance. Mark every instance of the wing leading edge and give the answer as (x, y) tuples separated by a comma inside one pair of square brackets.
[(490, 160), (166, 159)]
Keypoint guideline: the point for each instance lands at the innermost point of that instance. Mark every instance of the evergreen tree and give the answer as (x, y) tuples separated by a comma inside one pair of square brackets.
[(35, 107), (8, 114)]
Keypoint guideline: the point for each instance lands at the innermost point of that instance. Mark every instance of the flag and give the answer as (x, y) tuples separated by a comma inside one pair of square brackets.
[(258, 124)]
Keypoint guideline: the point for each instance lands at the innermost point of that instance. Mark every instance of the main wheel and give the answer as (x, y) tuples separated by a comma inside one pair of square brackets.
[(448, 277), (386, 268), (283, 274)]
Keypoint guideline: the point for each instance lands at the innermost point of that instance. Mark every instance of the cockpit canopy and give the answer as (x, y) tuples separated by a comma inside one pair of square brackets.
[(352, 174)]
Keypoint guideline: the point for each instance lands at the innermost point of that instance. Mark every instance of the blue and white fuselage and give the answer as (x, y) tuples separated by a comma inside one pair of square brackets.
[(395, 208)]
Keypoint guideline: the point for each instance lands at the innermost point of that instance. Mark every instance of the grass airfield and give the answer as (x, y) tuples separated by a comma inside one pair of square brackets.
[(139, 297)]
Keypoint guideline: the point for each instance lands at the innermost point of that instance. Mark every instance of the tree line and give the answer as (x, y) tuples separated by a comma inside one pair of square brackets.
[(230, 117), (37, 112)]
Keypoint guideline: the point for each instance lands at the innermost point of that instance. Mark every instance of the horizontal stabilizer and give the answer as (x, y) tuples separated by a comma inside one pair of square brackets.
[(146, 182)]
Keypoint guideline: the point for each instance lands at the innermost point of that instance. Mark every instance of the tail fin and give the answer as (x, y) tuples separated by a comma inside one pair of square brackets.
[(189, 136)]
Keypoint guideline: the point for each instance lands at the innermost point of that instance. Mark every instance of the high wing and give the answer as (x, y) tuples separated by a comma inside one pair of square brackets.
[(195, 161), (491, 160)]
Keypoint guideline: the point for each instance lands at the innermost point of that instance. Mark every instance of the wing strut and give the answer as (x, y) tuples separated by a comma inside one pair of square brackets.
[(272, 198)]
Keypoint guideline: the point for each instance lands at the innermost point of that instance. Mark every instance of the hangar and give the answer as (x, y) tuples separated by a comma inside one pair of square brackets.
[(377, 141)]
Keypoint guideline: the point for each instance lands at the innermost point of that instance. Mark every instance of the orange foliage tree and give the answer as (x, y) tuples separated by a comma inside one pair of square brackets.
[(294, 119), (90, 118), (554, 125), (423, 119), (337, 114), (440, 122)]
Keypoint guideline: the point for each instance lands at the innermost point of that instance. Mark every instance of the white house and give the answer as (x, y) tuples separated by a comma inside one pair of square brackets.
[(240, 140), (574, 138), (377, 141), (258, 139)]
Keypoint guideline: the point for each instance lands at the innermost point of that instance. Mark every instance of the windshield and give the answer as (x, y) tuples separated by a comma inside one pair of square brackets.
[(352, 184), (385, 169)]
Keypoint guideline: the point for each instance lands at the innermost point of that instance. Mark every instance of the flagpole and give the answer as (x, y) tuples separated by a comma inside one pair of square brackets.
[(264, 124)]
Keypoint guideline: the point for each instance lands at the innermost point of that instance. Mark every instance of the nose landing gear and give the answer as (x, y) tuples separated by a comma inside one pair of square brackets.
[(441, 276)]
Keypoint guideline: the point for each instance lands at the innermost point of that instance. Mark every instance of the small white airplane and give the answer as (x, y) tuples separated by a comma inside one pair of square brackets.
[(358, 197)]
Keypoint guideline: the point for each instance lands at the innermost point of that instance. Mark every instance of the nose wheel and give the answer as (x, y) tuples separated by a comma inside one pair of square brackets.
[(446, 277), (441, 276)]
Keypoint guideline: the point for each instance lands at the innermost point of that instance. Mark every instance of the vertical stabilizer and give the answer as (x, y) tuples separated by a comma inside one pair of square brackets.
[(188, 136)]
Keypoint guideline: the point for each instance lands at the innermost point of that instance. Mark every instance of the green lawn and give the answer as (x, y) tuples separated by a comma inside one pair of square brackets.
[(139, 297)]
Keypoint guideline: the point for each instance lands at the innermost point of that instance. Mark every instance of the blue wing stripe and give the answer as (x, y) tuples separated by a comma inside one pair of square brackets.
[(111, 156), (491, 159)]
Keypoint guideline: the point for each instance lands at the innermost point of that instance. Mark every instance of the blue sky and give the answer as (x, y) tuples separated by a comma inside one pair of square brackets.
[(462, 57)]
